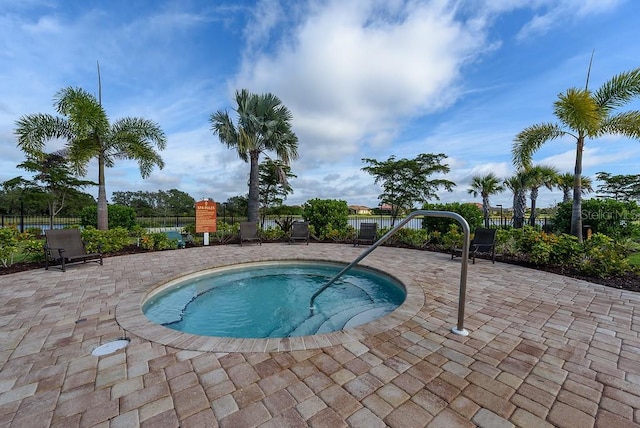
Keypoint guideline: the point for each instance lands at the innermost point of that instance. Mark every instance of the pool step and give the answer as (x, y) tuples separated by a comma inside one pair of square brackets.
[(355, 316), (349, 316)]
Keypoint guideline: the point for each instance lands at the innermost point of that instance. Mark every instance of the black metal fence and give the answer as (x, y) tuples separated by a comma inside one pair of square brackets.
[(23, 223)]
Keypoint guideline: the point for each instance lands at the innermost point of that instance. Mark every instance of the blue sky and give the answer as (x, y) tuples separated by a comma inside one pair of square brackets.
[(362, 79)]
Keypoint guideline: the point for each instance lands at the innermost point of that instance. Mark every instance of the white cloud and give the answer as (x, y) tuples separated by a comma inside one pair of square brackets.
[(344, 76)]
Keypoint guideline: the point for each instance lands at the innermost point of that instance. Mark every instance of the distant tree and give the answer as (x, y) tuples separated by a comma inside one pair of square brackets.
[(237, 206), (519, 185), (176, 202), (161, 203), (538, 176), (406, 181), (274, 184), (565, 183), (89, 135), (76, 201), (485, 186), (52, 179), (264, 124), (18, 195), (619, 187), (145, 204), (584, 114)]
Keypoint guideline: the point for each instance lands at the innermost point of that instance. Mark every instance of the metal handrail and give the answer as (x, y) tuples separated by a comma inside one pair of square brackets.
[(463, 269)]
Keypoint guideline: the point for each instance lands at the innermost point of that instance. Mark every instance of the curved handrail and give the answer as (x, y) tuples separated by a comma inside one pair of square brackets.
[(463, 270)]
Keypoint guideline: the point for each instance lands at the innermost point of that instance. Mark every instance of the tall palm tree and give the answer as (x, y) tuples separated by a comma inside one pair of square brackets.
[(584, 114), (264, 124), (519, 185), (88, 134), (538, 176), (565, 183), (485, 185)]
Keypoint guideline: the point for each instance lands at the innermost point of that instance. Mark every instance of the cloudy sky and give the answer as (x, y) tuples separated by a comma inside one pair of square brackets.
[(362, 79)]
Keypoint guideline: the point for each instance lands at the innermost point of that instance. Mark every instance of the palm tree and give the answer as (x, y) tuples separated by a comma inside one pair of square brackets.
[(519, 185), (88, 134), (486, 186), (565, 183), (583, 115), (538, 176), (264, 124)]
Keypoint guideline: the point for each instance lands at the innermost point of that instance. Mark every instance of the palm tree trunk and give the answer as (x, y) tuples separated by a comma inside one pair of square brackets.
[(519, 208), (534, 197), (576, 207), (103, 215), (485, 210), (254, 189)]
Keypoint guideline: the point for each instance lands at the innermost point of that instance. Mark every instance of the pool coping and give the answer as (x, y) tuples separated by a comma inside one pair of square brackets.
[(131, 319)]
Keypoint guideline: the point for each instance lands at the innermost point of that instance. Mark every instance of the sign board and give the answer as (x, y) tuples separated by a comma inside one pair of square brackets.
[(205, 216)]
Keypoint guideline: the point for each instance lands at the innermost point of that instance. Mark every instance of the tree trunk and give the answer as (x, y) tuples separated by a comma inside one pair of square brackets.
[(254, 189), (519, 208), (576, 207), (534, 197), (103, 215), (485, 210)]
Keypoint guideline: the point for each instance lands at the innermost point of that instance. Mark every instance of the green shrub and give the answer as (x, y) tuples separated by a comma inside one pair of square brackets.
[(8, 245), (339, 235), (32, 249), (33, 232), (566, 251), (604, 257), (615, 219), (109, 241), (416, 238), (452, 238), (327, 216), (272, 234), (507, 241), (119, 216), (470, 212), (158, 241)]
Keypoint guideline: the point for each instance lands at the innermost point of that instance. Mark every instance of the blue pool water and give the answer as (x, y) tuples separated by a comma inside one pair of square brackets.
[(272, 300)]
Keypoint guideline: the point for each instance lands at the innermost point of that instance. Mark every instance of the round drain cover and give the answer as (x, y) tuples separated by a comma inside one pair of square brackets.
[(110, 347)]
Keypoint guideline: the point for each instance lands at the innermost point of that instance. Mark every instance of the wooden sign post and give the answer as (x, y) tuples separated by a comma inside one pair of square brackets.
[(205, 218)]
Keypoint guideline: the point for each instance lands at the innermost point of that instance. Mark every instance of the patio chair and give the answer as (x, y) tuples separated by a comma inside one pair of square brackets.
[(367, 234), (484, 241), (299, 232), (249, 232), (66, 246)]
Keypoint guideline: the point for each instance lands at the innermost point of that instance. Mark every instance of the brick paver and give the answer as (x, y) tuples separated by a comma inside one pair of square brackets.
[(543, 351)]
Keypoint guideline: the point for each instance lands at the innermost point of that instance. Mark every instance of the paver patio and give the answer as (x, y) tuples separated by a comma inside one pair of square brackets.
[(543, 350)]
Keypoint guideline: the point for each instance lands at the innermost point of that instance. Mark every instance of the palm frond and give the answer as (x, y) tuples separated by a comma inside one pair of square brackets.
[(578, 111), (33, 131), (528, 141), (619, 90), (626, 124)]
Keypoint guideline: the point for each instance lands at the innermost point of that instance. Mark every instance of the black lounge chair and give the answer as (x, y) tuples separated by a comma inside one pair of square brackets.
[(299, 232), (249, 232), (367, 235), (66, 246), (484, 241)]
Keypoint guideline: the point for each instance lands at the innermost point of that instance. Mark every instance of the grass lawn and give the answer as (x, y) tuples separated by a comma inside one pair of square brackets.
[(634, 259)]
